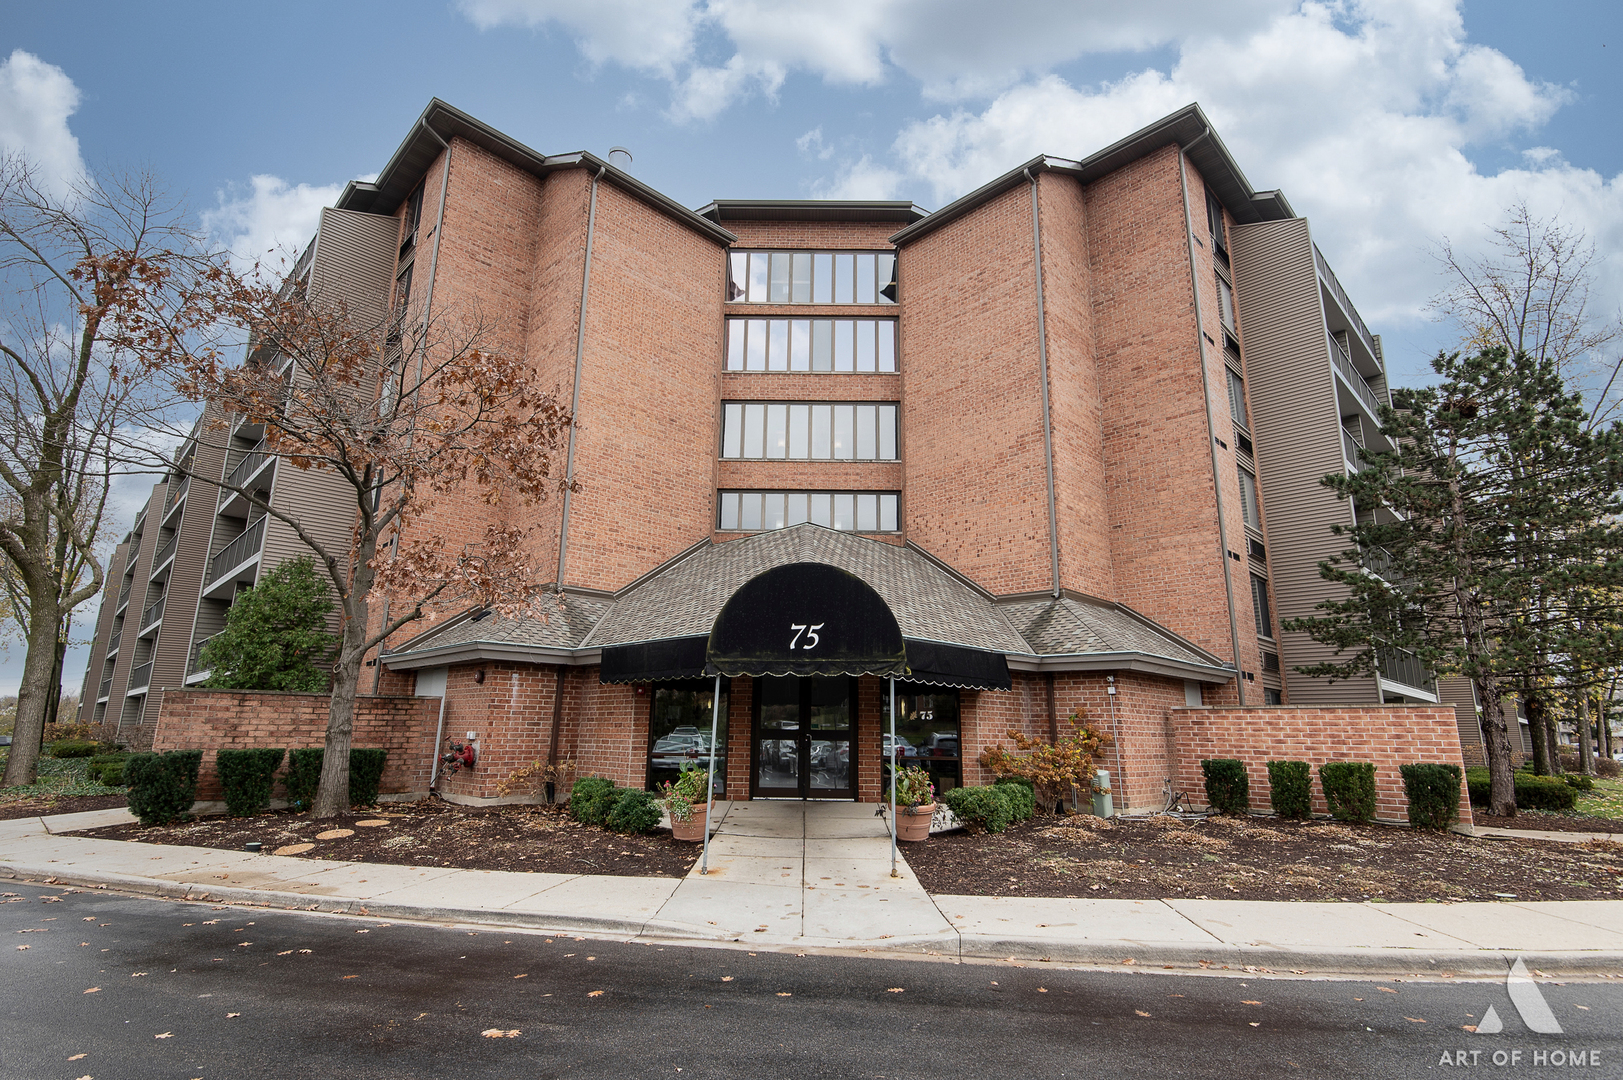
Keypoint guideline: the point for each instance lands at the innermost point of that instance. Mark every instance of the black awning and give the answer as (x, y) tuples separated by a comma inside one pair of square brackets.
[(937, 664), (806, 618), (654, 661)]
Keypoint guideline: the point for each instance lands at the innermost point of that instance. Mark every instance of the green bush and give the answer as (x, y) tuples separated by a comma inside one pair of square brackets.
[(1532, 792), (591, 799), (634, 811), (73, 748), (247, 776), (107, 769), (989, 808), (1290, 789), (162, 786), (1434, 794), (1579, 781), (1228, 790), (1021, 794), (1349, 789), (304, 775)]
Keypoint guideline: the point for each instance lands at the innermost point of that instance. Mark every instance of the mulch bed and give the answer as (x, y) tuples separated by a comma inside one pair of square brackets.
[(1260, 859), (433, 833), (22, 808)]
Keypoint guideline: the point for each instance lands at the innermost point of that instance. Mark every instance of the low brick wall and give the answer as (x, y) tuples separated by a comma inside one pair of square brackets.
[(212, 720), (1388, 735)]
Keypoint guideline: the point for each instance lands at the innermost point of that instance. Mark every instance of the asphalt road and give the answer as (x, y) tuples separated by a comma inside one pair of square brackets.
[(113, 987)]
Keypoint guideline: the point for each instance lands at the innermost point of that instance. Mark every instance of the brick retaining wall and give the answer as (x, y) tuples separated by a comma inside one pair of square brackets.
[(1388, 735)]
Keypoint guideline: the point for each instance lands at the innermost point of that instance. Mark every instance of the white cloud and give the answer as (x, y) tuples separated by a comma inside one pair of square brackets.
[(648, 35), (862, 179), (268, 220), (36, 100), (1363, 113)]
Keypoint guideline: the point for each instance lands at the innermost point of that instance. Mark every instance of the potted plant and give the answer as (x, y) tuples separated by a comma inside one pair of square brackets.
[(681, 801), (915, 803)]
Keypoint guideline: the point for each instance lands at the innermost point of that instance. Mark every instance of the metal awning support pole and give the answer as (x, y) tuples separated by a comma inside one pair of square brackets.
[(710, 780), (893, 872)]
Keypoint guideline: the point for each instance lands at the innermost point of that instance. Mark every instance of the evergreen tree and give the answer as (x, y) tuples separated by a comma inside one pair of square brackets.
[(1480, 543), (276, 635)]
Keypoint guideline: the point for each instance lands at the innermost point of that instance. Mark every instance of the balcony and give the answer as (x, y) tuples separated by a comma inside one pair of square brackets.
[(1328, 276), (135, 550), (1403, 668), (140, 679), (177, 492), (1355, 382), (114, 642), (106, 689), (194, 672), (151, 617), (165, 553), (252, 464), (237, 560), (124, 594), (1353, 450)]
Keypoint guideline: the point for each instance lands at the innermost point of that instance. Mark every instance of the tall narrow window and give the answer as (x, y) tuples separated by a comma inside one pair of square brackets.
[(1237, 399), (1225, 304), (1248, 499), (1214, 220), (1260, 608)]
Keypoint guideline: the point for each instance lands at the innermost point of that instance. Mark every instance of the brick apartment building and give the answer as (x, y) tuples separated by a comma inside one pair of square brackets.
[(1052, 448)]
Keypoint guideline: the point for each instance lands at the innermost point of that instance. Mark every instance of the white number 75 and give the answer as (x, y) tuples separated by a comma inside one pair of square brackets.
[(810, 631)]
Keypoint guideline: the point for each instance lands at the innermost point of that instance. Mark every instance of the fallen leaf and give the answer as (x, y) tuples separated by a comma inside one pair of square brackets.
[(526, 975), (784, 994), (165, 1035), (895, 990), (76, 1057), (594, 993), (284, 952), (230, 1015), (137, 974), (498, 1033), (1386, 989), (243, 944), (1414, 1019), (591, 958), (1129, 961), (363, 931), (22, 948), (1140, 1012), (352, 976), (304, 950), (1256, 1023), (1585, 1008), (210, 922), (726, 978), (93, 990), (1468, 1027), (1250, 1003), (89, 918)]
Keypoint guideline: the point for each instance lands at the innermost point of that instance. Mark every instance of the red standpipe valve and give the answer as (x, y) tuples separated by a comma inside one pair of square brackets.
[(459, 756)]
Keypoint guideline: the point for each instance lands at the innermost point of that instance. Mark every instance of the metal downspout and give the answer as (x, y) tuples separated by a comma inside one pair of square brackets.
[(1042, 353), (574, 401), (1211, 426)]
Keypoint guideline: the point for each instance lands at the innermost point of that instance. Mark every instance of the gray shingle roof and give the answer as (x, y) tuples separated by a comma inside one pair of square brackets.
[(569, 619), (1071, 625)]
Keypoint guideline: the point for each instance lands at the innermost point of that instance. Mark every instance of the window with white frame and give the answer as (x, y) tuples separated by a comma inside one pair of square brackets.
[(811, 277), (1237, 398), (811, 345), (808, 431), (1249, 507), (1260, 607), (849, 511), (1225, 304)]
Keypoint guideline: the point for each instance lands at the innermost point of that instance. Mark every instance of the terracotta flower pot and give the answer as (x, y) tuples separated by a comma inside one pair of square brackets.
[(914, 824), (693, 828)]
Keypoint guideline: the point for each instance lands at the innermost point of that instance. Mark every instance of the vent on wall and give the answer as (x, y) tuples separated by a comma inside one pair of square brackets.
[(1270, 661)]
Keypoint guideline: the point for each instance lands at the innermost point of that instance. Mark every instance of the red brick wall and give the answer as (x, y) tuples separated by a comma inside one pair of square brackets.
[(212, 720), (1389, 736)]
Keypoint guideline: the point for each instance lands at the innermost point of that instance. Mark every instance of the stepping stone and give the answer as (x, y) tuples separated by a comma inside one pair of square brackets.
[(293, 849), (335, 834), (372, 823)]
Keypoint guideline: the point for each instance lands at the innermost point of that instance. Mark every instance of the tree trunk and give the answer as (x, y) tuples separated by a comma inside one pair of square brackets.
[(1552, 738), (1496, 742), (1535, 730), (1586, 748), (1604, 719), (332, 794), (33, 693)]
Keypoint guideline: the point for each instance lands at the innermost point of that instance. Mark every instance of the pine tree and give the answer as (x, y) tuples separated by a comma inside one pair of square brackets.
[(1481, 541), (276, 635)]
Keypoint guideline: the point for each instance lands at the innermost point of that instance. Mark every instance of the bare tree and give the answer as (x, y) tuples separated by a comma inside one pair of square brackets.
[(401, 414), (76, 268)]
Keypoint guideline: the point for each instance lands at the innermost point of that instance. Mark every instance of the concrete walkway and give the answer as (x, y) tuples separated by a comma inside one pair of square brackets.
[(816, 876)]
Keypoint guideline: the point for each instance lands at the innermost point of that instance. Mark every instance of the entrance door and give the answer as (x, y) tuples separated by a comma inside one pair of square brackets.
[(802, 737)]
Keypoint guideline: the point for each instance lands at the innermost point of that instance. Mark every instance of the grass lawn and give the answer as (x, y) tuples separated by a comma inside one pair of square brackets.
[(1605, 801), (58, 779)]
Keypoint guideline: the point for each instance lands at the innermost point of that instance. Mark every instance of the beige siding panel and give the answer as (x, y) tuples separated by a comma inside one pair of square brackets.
[(355, 261), (190, 565), (1296, 430)]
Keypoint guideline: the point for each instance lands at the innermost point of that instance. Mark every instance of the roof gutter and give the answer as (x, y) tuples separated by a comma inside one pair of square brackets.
[(1042, 354)]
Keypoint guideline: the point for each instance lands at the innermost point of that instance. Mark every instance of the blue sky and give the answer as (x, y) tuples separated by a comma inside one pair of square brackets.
[(1389, 123)]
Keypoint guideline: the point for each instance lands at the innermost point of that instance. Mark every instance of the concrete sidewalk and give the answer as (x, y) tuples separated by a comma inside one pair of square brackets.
[(803, 877)]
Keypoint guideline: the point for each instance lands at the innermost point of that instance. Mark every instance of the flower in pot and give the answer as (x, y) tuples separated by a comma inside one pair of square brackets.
[(915, 803), (687, 801)]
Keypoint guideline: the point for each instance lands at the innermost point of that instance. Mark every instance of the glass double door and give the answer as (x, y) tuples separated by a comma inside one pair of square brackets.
[(803, 745)]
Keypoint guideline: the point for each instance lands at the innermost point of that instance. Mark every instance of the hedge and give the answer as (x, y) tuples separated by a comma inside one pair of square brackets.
[(108, 769), (1434, 794), (304, 775), (1228, 789), (1021, 794), (1532, 792), (162, 786), (1290, 789), (73, 748), (591, 799), (247, 776), (1349, 789), (634, 811), (989, 808)]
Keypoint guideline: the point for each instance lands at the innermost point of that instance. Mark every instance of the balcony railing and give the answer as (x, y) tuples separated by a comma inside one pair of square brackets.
[(167, 550), (237, 551), (124, 593), (196, 655), (1340, 294), (251, 463), (106, 687), (135, 551), (1402, 666), (177, 489), (114, 642), (141, 677), (1353, 451), (152, 614), (1361, 388)]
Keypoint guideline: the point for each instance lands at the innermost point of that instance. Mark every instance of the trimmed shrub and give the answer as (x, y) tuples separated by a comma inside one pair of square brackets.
[(1228, 790), (591, 799), (1349, 789), (1290, 789), (162, 786), (634, 811), (304, 775), (365, 774), (107, 769), (988, 808), (1579, 781), (1607, 769), (72, 748), (1434, 794), (1021, 794), (247, 776), (1532, 792)]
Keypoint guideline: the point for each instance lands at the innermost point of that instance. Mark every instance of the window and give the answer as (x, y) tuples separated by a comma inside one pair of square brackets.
[(811, 277), (926, 734), (679, 731), (788, 430), (1214, 221), (1270, 696), (1225, 304), (1259, 606), (1249, 508), (811, 345), (1237, 399), (848, 511)]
